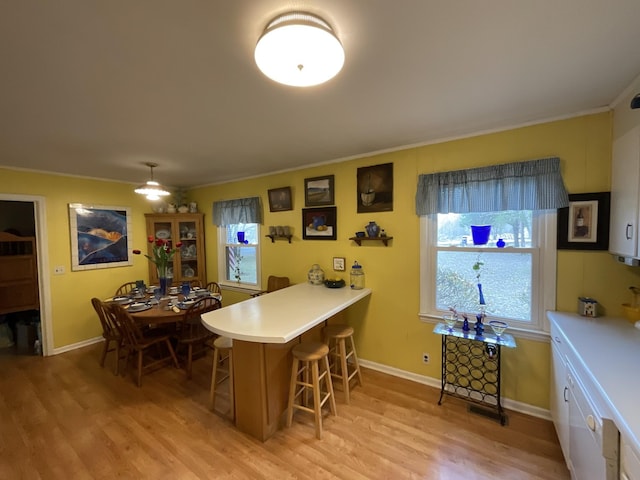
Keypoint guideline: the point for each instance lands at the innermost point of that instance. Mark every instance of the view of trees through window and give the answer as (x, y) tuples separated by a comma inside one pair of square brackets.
[(504, 273), (241, 259)]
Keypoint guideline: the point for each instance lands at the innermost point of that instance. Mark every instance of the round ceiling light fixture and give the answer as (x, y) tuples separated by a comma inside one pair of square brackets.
[(152, 189), (299, 49)]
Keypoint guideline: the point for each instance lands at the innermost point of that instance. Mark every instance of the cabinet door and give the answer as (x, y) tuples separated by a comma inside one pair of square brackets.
[(625, 178), (189, 261), (191, 256), (559, 401), (629, 461)]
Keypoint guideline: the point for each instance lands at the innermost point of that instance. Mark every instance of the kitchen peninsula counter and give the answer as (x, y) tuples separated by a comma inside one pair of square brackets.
[(264, 329)]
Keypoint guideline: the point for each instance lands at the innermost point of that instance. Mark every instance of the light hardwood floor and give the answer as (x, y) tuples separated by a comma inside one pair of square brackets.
[(64, 417)]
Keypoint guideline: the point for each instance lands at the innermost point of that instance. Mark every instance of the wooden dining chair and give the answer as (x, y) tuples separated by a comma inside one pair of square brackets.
[(193, 336), (274, 283), (139, 341), (213, 287), (125, 289), (110, 331)]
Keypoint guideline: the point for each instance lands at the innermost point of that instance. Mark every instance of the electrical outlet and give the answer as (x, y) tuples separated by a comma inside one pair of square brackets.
[(425, 358)]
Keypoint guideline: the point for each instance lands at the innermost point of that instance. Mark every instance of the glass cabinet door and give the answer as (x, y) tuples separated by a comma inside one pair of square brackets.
[(188, 250), (188, 264)]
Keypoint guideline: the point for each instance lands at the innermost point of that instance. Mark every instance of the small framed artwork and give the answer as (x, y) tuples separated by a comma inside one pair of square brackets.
[(319, 191), (375, 188), (280, 199), (584, 224), (99, 236), (319, 223), (338, 264)]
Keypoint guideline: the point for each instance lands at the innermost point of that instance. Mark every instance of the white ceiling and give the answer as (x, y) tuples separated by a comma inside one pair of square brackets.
[(96, 88)]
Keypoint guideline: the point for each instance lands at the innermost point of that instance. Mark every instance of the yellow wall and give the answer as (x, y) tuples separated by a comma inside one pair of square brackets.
[(388, 330), (73, 319)]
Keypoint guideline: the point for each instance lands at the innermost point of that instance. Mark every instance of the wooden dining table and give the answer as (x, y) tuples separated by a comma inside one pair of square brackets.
[(157, 315)]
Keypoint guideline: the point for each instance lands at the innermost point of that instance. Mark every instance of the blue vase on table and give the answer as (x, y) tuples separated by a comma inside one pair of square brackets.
[(165, 284)]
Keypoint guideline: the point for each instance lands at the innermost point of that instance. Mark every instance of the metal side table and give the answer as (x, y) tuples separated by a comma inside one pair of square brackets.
[(471, 368)]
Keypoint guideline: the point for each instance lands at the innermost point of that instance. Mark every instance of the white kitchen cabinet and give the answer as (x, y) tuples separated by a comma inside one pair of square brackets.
[(625, 194), (629, 461), (559, 401)]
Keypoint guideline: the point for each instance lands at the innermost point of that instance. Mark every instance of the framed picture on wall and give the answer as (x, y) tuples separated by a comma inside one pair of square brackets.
[(99, 236), (319, 191), (375, 188), (319, 223), (280, 199), (584, 224)]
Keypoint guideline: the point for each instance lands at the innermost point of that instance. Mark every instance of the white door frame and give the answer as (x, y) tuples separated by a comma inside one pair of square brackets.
[(44, 287)]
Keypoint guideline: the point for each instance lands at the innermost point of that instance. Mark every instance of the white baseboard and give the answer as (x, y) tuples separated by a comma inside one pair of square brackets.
[(435, 383), (396, 372), (73, 346)]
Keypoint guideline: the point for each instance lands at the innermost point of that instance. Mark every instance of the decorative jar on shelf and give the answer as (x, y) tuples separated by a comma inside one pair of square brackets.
[(316, 275), (373, 230)]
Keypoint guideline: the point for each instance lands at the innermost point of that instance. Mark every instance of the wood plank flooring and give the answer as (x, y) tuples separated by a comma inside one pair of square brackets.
[(64, 417)]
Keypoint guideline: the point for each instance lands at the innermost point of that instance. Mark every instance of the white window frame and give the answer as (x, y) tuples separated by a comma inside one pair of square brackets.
[(544, 265), (222, 264)]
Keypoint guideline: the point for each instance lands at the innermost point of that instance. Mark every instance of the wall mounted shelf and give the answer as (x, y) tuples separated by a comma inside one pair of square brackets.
[(359, 240), (279, 237)]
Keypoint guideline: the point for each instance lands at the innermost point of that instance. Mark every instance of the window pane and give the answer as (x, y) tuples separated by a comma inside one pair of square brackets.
[(506, 280), (241, 264), (513, 227), (250, 232)]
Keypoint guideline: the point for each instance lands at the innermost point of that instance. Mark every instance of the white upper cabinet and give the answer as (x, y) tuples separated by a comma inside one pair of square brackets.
[(625, 193)]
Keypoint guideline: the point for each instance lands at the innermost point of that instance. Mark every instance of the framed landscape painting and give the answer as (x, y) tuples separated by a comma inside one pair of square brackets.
[(319, 191), (99, 236)]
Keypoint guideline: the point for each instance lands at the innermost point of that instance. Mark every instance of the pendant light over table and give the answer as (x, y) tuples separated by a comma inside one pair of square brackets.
[(152, 189)]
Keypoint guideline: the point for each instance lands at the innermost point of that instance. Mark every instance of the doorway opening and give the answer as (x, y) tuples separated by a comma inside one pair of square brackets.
[(24, 286)]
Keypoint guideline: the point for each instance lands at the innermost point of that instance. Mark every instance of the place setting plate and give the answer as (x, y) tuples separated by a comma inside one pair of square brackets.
[(121, 300), (139, 307), (184, 305)]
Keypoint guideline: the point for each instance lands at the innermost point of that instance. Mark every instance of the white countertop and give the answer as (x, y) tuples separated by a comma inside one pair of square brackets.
[(609, 351), (281, 316)]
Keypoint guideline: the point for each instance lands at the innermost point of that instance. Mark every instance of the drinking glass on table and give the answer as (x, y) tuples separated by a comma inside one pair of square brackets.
[(157, 294)]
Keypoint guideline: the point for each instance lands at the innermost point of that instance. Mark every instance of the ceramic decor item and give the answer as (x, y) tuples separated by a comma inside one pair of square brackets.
[(373, 230), (316, 275)]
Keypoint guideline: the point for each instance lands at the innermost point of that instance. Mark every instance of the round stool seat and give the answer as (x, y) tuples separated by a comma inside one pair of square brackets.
[(310, 351), (338, 331), (223, 343)]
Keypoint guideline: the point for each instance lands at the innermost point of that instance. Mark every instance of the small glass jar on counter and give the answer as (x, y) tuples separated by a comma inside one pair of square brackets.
[(357, 277)]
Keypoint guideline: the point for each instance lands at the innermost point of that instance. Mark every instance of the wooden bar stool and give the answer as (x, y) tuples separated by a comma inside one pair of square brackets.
[(306, 357), (222, 350), (335, 337)]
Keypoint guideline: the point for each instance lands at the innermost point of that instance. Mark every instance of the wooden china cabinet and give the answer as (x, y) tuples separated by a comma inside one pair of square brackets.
[(188, 228)]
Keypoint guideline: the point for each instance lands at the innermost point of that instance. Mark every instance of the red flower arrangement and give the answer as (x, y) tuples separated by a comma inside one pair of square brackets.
[(162, 254)]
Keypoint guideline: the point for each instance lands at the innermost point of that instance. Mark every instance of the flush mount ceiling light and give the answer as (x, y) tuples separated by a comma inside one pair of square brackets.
[(152, 189), (299, 49)]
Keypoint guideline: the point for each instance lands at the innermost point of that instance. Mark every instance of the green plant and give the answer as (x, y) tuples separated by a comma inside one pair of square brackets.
[(238, 261)]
